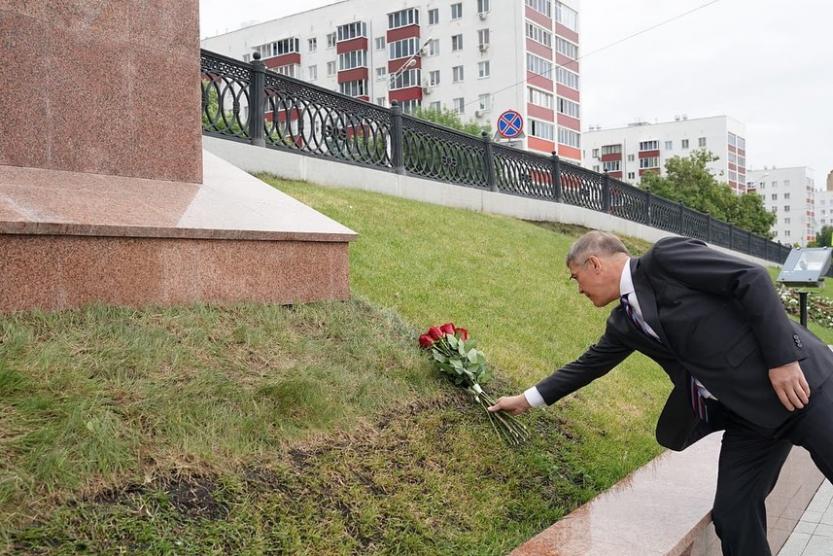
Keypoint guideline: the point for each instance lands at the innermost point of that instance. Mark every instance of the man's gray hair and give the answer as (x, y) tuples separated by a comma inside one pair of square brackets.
[(595, 243)]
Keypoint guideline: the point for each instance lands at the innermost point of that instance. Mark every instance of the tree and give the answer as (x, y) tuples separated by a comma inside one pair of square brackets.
[(825, 237), (450, 118), (690, 182)]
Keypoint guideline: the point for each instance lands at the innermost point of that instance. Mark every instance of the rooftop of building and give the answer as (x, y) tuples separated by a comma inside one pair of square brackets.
[(643, 123)]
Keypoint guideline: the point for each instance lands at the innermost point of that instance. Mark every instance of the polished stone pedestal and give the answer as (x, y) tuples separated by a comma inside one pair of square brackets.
[(71, 238)]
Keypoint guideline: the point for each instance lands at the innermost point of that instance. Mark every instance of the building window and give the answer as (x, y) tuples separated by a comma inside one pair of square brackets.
[(539, 34), (436, 106), (483, 38), (351, 31), (410, 78), (483, 69), (786, 233), (741, 143), (684, 143), (485, 101), (538, 66), (611, 149), (247, 57), (456, 11), (596, 168), (775, 184), (595, 153), (354, 88), (382, 101), (775, 196), (312, 72), (457, 74), (612, 166), (630, 158), (409, 106), (403, 18), (381, 73), (457, 42), (631, 175), (541, 129), (352, 59), (433, 16), (569, 137), (279, 48), (566, 16), (649, 162), (434, 77), (433, 47), (331, 40), (540, 98), (669, 145), (786, 196), (403, 48), (289, 70), (787, 221), (649, 145), (380, 43), (483, 6), (459, 104), (566, 48), (312, 44), (331, 68), (566, 77), (701, 142), (733, 140), (541, 6), (786, 208)]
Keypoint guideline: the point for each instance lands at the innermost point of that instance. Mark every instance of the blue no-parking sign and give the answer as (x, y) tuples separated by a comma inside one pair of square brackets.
[(510, 124)]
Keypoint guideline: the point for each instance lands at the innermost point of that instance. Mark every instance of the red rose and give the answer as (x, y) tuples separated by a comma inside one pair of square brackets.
[(463, 334), (426, 341), (448, 328), (435, 333)]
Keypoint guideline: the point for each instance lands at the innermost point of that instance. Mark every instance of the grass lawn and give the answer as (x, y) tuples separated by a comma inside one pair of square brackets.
[(318, 429)]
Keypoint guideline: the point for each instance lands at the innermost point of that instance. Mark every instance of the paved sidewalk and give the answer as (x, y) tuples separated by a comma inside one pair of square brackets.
[(813, 536)]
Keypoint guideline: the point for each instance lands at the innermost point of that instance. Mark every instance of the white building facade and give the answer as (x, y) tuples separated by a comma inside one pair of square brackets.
[(477, 57), (790, 194), (628, 153)]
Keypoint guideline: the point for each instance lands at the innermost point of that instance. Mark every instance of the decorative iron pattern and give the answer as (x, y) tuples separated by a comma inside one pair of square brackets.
[(301, 117), (720, 233), (665, 215), (581, 187), (740, 240), (523, 173), (629, 202), (439, 153), (225, 96), (695, 224)]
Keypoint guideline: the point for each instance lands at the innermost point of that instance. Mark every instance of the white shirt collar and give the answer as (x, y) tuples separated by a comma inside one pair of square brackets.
[(626, 280)]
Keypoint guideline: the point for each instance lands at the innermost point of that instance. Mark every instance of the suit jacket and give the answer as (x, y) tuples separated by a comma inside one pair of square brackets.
[(719, 319)]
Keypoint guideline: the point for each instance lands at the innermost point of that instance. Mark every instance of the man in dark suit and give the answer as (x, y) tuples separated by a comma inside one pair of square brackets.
[(715, 324)]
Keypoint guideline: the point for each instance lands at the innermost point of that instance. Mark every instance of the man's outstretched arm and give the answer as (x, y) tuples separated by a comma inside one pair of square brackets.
[(593, 363)]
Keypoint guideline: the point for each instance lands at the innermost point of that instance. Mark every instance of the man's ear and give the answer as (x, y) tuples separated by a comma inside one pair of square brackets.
[(596, 263)]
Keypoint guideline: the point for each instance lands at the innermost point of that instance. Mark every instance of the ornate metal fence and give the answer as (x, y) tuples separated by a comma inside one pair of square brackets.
[(247, 102)]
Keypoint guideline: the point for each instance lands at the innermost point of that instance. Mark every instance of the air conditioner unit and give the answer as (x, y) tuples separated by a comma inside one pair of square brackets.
[(484, 47), (483, 15), (427, 89), (479, 113)]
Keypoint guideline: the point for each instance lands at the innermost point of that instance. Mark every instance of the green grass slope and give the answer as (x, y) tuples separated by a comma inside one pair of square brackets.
[(318, 429)]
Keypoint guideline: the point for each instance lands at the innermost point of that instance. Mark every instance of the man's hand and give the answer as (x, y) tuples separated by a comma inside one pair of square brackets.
[(790, 385), (514, 405)]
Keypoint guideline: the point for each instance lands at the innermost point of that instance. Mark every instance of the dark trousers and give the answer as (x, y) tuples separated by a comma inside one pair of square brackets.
[(750, 461)]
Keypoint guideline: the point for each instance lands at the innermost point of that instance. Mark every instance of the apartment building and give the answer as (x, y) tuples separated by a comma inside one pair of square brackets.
[(790, 194), (476, 57), (628, 153)]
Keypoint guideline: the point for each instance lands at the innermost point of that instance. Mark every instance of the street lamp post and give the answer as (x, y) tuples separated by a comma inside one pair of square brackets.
[(409, 63)]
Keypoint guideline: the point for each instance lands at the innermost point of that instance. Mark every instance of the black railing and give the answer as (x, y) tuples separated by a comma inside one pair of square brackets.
[(247, 102)]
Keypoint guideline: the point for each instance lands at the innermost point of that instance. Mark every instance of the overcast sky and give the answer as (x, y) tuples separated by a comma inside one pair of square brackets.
[(766, 63)]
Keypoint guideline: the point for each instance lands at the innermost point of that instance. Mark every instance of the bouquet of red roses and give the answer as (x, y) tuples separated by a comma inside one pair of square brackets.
[(455, 356)]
